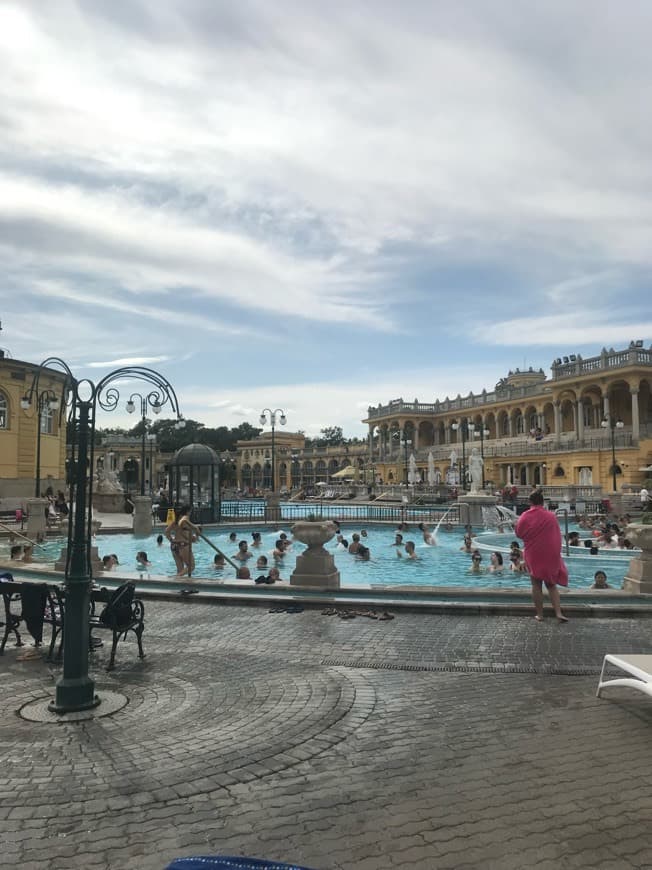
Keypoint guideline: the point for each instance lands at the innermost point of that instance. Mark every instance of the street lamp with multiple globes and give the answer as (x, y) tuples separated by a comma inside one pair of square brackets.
[(151, 440), (467, 429), (483, 432), (272, 419), (406, 443), (46, 402), (612, 423), (153, 401), (76, 690), (296, 473)]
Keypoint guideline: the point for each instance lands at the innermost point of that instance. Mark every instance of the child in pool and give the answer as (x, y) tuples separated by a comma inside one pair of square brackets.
[(600, 581)]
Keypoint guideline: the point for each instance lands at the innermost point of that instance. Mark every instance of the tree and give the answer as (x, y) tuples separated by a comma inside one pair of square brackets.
[(332, 436), (169, 438)]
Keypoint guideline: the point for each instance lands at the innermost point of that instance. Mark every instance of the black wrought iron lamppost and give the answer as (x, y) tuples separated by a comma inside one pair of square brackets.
[(483, 432), (406, 443), (151, 440), (466, 429), (75, 690), (612, 424), (46, 402), (272, 419), (153, 401), (296, 479)]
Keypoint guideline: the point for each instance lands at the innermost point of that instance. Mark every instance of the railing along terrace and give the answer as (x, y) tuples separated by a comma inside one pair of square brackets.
[(604, 362), (505, 393), (608, 359)]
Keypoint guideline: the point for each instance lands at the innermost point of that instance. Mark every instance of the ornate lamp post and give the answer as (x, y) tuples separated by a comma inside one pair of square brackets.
[(406, 443), (466, 429), (483, 432), (272, 419), (46, 401), (153, 401), (151, 440), (612, 424), (76, 690), (296, 479)]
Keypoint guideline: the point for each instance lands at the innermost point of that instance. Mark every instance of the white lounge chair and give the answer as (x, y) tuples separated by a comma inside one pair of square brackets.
[(639, 667)]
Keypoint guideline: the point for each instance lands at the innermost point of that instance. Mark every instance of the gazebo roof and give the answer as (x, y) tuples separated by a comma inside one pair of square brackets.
[(195, 454)]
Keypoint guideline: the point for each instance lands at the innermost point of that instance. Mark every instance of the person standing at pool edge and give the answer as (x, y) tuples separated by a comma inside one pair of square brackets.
[(541, 534), (187, 533)]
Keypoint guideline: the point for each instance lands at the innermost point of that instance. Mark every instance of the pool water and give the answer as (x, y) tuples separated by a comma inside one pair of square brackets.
[(442, 565)]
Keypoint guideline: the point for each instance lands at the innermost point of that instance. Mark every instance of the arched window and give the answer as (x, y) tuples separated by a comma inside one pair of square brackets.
[(4, 412)]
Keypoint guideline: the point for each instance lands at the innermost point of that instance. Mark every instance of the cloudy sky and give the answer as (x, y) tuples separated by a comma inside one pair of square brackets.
[(321, 206)]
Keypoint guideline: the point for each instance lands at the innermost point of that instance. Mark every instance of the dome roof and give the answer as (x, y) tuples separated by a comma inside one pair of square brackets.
[(195, 454)]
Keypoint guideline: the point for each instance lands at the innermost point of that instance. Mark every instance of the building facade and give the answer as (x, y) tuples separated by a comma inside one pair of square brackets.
[(530, 429), (123, 455), (32, 433), (295, 465)]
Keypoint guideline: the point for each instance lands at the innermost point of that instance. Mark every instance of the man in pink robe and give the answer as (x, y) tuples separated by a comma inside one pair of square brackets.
[(541, 535)]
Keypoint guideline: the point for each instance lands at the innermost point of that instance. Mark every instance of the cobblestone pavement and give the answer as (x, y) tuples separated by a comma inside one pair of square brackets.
[(428, 741)]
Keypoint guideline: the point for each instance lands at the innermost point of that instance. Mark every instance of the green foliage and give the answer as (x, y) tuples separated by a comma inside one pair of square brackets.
[(331, 436), (170, 439)]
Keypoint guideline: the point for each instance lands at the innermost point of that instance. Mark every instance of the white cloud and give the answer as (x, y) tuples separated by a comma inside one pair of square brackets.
[(204, 178), (311, 407), (571, 329), (128, 361)]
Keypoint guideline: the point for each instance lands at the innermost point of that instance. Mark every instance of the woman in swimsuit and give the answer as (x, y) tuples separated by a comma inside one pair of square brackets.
[(187, 532), (171, 533)]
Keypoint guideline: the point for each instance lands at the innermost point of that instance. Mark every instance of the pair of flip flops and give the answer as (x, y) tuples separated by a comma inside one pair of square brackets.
[(291, 608), (352, 614)]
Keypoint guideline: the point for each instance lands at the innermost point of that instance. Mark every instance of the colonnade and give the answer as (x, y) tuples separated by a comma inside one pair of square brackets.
[(391, 435)]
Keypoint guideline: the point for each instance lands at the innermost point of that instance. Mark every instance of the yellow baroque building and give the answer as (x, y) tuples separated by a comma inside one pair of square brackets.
[(30, 434), (530, 429)]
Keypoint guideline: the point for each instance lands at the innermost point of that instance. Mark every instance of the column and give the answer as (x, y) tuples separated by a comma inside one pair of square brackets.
[(580, 420), (416, 439), (605, 406), (447, 433), (556, 408), (635, 420)]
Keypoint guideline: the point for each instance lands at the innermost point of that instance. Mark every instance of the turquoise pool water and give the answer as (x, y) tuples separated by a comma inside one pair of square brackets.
[(443, 565)]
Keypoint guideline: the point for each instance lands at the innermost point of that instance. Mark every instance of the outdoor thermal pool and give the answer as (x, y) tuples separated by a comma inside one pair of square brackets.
[(441, 565)]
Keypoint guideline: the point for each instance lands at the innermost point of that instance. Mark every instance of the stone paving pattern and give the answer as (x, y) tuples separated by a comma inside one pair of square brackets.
[(429, 741)]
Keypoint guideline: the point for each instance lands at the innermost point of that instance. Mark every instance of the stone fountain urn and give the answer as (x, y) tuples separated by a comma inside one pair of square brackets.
[(639, 574), (315, 566)]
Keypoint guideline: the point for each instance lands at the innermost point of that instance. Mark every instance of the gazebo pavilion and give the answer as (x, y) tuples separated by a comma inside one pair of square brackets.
[(195, 481)]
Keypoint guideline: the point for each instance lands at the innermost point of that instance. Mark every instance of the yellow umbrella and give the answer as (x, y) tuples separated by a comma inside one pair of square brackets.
[(349, 471)]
